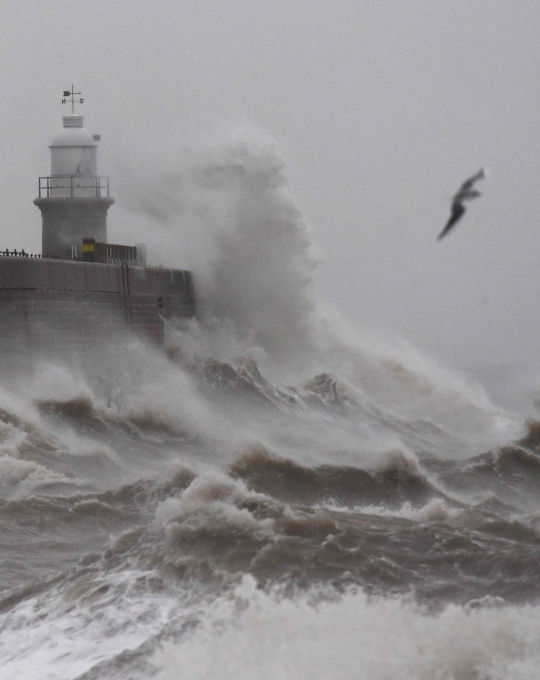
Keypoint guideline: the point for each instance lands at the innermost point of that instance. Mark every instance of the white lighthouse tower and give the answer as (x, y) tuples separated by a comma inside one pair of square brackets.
[(74, 199)]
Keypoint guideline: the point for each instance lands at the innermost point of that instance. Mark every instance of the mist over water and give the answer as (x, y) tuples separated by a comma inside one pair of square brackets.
[(276, 495)]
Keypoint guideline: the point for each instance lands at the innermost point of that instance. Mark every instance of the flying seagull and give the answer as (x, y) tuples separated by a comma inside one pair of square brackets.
[(466, 192)]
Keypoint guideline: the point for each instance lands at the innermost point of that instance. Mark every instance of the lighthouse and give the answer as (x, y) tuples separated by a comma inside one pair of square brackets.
[(73, 199), (84, 292)]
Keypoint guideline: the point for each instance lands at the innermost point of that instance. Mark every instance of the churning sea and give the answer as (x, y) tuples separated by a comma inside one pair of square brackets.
[(274, 497)]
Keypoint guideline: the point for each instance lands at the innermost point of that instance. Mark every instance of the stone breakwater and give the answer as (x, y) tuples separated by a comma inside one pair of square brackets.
[(47, 303)]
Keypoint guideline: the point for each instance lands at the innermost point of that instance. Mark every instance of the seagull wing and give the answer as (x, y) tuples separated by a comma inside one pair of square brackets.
[(468, 184), (458, 210)]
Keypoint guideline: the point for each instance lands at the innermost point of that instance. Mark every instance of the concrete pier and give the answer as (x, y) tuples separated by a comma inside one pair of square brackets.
[(52, 304)]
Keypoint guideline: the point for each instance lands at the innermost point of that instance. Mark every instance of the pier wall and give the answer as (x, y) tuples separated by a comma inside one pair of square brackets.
[(52, 304)]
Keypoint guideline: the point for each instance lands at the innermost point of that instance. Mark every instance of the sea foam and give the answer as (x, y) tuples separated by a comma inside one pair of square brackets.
[(353, 637)]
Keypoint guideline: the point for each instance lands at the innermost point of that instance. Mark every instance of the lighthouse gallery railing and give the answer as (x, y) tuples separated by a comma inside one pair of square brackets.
[(74, 187)]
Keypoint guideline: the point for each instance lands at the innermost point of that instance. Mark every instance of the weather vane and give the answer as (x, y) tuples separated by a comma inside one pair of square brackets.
[(71, 93)]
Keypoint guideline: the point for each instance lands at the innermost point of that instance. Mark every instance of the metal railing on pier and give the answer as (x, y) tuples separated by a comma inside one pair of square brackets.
[(108, 253), (105, 253)]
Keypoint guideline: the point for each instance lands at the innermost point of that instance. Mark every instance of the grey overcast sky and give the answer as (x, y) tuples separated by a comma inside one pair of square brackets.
[(381, 108)]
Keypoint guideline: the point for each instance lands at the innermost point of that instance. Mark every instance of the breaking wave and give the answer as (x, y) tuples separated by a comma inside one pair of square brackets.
[(319, 635), (276, 495)]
